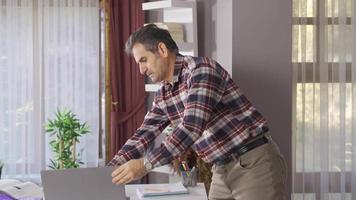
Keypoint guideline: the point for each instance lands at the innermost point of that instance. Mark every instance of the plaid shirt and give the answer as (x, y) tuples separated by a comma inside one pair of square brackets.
[(206, 109)]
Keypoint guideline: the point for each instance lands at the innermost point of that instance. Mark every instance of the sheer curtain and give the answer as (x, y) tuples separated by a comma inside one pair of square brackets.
[(324, 130), (49, 59)]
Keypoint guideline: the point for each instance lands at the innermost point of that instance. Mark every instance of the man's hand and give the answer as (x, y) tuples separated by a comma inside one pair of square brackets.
[(128, 172)]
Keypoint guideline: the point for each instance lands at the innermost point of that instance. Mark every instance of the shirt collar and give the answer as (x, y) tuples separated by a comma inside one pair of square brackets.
[(177, 70)]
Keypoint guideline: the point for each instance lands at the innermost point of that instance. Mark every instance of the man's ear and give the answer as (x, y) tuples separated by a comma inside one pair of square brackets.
[(162, 49)]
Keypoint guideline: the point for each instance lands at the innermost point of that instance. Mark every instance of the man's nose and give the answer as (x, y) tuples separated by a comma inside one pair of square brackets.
[(143, 69)]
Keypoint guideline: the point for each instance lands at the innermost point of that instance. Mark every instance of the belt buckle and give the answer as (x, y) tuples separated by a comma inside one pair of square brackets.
[(235, 156), (252, 145)]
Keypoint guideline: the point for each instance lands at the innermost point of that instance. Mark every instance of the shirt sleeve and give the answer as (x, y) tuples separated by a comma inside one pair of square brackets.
[(154, 123), (205, 89)]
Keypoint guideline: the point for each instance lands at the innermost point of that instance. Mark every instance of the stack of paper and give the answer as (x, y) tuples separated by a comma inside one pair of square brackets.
[(19, 190), (160, 190)]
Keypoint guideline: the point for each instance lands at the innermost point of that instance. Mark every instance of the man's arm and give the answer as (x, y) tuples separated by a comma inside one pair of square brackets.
[(154, 123)]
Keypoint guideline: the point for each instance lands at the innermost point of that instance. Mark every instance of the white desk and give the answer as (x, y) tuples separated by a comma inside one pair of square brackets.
[(196, 193)]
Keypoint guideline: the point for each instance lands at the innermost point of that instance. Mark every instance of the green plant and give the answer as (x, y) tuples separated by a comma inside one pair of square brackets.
[(65, 131)]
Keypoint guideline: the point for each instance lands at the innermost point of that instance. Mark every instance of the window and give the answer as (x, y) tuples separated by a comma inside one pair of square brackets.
[(324, 93), (49, 59), (307, 39)]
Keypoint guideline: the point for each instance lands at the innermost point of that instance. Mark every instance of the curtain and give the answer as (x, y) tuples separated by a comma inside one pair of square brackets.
[(49, 59), (324, 89), (128, 97)]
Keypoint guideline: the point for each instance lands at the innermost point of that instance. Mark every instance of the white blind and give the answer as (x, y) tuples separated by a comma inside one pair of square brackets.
[(324, 131), (49, 59)]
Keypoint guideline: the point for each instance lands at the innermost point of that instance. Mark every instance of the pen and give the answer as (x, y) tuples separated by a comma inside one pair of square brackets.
[(184, 166)]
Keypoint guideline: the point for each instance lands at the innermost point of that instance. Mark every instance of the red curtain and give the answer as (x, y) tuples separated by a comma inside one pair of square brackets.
[(128, 106)]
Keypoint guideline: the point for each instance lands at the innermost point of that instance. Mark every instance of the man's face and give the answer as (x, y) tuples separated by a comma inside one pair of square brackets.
[(154, 65)]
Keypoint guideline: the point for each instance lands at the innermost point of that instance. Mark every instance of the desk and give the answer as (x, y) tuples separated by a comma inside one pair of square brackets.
[(196, 193)]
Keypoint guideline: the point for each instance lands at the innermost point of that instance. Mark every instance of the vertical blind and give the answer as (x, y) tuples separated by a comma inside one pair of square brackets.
[(324, 113)]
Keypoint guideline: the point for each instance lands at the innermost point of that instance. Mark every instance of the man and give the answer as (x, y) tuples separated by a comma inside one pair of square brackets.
[(210, 115)]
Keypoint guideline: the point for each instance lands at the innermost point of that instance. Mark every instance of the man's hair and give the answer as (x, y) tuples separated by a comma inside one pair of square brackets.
[(149, 36)]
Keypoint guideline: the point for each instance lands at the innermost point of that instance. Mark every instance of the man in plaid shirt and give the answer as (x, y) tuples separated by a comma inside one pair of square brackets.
[(209, 114)]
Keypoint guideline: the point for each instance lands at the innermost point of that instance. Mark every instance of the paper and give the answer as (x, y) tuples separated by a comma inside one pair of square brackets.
[(19, 190), (8, 182), (161, 190)]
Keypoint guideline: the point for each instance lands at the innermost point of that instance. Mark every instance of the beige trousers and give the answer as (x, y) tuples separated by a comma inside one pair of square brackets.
[(259, 174)]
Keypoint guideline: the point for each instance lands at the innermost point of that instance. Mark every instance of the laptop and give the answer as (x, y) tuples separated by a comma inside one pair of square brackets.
[(81, 184)]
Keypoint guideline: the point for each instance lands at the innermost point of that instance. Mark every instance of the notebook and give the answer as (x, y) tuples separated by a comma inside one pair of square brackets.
[(81, 184), (161, 190)]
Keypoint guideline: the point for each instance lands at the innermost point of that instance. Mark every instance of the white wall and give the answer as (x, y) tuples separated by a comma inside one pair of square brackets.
[(261, 41), (262, 63)]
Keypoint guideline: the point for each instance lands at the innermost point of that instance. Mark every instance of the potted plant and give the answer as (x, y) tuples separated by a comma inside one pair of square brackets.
[(1, 166), (65, 131)]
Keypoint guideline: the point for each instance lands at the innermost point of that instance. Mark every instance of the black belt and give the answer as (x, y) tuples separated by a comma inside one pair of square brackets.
[(242, 150)]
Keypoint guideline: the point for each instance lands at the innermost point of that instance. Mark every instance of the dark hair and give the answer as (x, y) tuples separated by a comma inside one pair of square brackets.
[(150, 35)]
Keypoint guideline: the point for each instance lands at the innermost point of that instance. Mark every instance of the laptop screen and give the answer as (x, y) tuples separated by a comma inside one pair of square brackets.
[(81, 184)]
